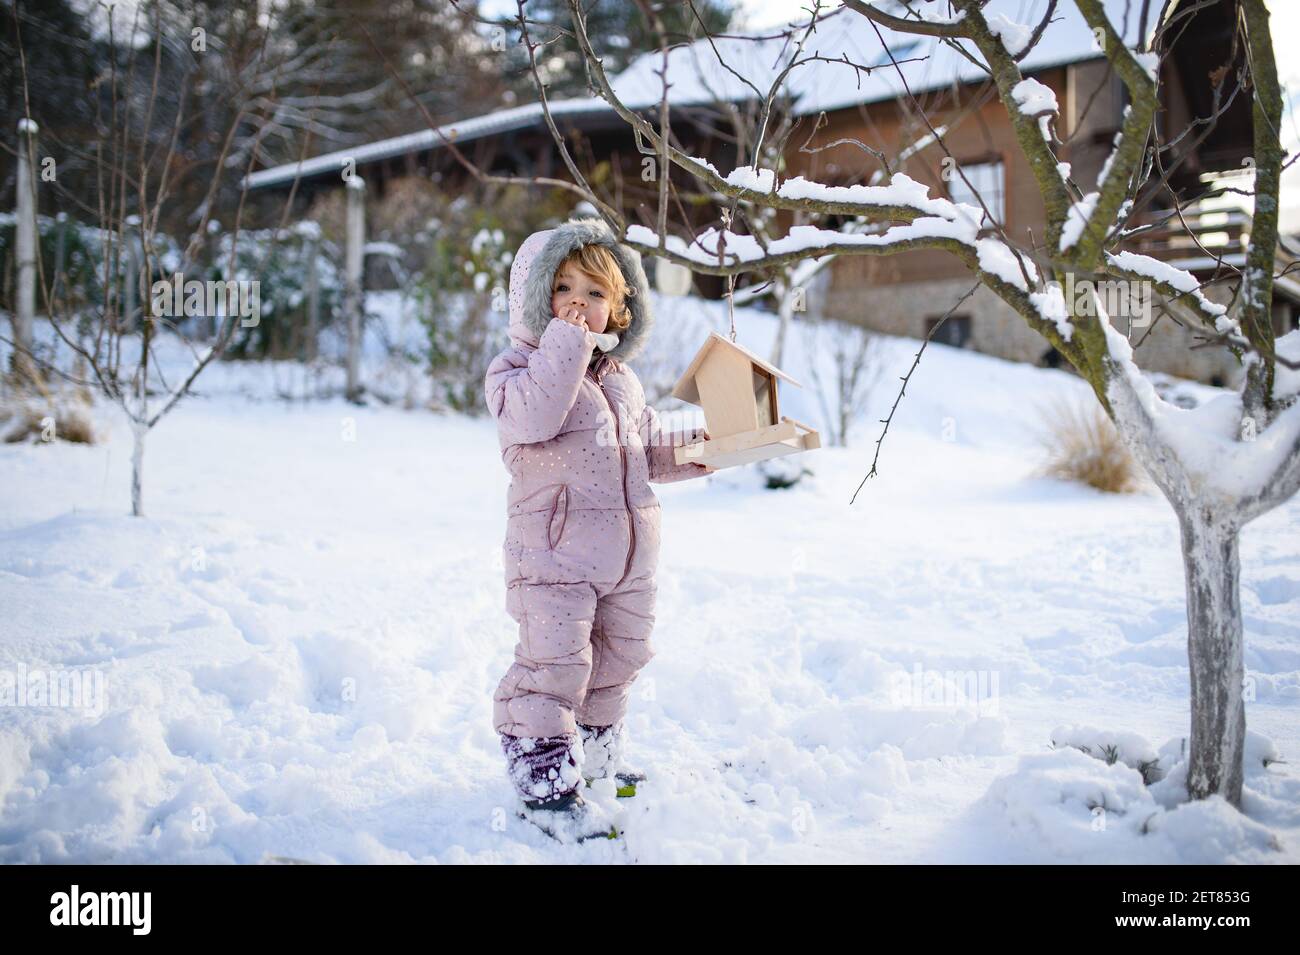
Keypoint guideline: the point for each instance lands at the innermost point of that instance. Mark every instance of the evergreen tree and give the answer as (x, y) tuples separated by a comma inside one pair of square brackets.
[(51, 44)]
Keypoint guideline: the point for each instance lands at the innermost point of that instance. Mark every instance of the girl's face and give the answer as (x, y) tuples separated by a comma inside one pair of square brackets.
[(583, 293)]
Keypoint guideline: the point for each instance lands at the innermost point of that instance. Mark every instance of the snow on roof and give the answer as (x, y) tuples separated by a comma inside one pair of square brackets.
[(698, 78), (461, 131)]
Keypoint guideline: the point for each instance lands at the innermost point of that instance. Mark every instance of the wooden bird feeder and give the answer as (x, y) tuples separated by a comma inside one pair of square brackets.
[(738, 393)]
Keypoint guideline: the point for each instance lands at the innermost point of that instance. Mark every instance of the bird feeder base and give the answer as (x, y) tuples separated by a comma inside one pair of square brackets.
[(785, 437)]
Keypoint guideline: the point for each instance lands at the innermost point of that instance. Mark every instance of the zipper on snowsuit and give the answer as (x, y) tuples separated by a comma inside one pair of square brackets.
[(622, 457)]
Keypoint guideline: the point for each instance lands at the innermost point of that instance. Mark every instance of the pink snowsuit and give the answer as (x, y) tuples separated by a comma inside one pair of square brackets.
[(582, 530)]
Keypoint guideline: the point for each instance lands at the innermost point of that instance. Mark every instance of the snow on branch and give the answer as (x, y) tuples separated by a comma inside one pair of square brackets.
[(1174, 282), (1076, 219), (1006, 271), (804, 271), (739, 253), (1015, 37), (902, 192), (929, 218), (723, 252), (903, 198), (1050, 304), (1036, 101), (1202, 451)]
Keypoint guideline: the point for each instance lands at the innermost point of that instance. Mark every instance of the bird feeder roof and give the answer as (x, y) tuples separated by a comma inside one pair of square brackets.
[(687, 390)]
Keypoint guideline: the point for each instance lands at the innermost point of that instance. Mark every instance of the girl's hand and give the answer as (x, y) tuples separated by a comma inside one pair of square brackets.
[(573, 317)]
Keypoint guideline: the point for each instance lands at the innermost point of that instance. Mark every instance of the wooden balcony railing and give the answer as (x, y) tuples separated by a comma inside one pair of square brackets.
[(1197, 239)]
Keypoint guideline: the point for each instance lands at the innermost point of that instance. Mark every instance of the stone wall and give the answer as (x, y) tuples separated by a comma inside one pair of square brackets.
[(904, 308)]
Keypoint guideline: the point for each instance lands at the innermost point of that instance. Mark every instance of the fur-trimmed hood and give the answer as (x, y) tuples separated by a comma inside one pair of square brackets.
[(533, 272)]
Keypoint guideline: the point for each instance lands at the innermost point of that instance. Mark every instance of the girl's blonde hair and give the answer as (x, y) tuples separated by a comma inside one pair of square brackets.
[(599, 263)]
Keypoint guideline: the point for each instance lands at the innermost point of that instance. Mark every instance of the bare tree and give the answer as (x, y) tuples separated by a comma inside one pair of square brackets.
[(857, 367), (1216, 478), (139, 174)]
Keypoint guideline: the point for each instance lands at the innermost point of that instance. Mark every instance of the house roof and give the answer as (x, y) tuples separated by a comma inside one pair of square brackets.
[(460, 131), (823, 84), (826, 83), (687, 390)]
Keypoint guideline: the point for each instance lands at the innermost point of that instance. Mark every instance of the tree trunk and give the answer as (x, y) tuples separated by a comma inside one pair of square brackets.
[(1210, 532), (129, 279), (1214, 652), (138, 433), (313, 300)]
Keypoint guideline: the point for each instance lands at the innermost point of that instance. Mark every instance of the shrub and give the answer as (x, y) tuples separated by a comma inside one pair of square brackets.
[(1082, 445)]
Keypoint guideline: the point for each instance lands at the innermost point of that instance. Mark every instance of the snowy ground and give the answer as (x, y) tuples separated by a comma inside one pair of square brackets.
[(300, 642)]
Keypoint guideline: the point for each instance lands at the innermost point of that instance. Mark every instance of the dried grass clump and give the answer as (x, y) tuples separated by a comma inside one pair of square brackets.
[(1082, 445), (63, 415)]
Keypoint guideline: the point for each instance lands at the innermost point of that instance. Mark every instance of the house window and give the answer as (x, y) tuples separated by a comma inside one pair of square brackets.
[(954, 331), (988, 180)]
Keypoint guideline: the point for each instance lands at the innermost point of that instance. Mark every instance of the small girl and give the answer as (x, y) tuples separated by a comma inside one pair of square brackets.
[(582, 529)]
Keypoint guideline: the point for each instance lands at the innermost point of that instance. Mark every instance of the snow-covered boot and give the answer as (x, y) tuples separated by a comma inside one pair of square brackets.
[(602, 757), (542, 768), (545, 773), (570, 818)]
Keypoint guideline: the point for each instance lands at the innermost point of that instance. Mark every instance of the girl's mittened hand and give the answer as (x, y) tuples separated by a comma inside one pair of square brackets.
[(570, 314)]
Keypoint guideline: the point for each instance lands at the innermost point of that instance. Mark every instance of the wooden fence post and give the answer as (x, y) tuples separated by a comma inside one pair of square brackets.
[(354, 301), (22, 364)]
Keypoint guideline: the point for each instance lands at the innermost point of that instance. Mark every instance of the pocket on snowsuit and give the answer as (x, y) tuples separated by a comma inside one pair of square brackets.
[(559, 514), (538, 521)]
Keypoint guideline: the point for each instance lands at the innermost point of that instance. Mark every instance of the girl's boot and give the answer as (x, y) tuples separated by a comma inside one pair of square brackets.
[(602, 757), (545, 773), (570, 818)]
